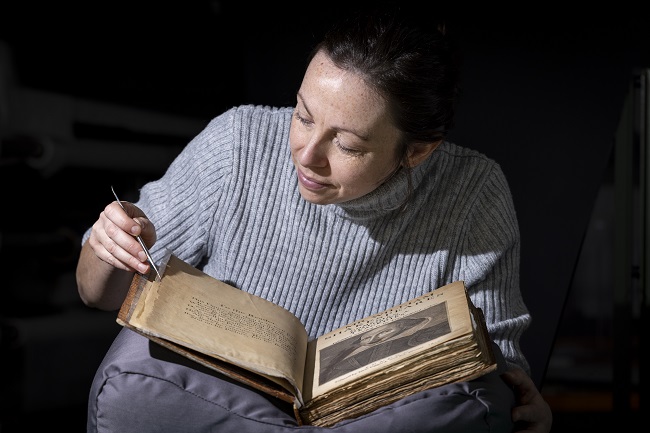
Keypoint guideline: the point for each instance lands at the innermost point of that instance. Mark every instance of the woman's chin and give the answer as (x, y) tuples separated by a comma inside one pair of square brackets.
[(321, 198)]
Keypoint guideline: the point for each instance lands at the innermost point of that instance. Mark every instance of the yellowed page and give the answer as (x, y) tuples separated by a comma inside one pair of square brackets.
[(193, 309), (368, 345)]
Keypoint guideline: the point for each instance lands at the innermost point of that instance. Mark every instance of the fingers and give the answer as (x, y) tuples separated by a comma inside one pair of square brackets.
[(535, 417), (124, 218), (531, 413), (112, 237), (136, 222), (522, 384), (516, 377)]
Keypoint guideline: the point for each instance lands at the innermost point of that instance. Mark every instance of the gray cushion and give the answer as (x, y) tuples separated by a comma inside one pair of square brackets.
[(142, 387)]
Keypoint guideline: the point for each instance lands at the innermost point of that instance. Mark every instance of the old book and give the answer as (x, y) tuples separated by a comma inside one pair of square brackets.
[(429, 341)]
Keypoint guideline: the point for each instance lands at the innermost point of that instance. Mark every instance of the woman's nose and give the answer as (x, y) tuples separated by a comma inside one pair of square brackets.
[(314, 153)]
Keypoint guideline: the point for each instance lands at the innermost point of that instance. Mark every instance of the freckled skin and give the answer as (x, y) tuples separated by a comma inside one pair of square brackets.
[(343, 142)]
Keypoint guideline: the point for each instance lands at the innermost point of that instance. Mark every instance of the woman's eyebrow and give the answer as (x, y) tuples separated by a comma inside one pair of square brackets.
[(363, 137)]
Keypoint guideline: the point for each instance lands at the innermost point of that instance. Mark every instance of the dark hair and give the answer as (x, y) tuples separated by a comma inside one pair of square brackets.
[(407, 59)]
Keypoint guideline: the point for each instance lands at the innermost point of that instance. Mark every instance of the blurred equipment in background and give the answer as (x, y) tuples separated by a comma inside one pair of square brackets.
[(59, 155)]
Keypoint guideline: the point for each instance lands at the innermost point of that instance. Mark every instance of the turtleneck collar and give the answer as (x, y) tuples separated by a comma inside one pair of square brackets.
[(386, 198)]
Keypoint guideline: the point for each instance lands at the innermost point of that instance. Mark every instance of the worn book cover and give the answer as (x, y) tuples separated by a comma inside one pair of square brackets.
[(432, 340)]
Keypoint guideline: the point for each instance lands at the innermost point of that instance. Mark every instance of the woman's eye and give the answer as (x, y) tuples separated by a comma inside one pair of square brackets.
[(337, 141), (345, 149), (302, 119)]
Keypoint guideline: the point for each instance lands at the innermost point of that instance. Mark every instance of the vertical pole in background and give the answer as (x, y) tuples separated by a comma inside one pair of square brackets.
[(623, 253), (644, 268)]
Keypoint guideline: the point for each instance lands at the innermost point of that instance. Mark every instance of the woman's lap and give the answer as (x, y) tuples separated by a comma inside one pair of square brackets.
[(143, 387)]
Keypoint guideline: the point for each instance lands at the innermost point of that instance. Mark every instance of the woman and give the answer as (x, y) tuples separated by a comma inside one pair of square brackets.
[(342, 206)]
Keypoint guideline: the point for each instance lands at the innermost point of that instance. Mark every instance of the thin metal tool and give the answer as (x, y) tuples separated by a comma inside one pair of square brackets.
[(144, 247)]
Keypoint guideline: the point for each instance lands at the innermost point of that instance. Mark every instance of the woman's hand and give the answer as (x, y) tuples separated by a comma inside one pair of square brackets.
[(113, 237), (112, 254), (532, 413)]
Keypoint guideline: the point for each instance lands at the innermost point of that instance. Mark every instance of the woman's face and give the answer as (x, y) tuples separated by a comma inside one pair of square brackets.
[(343, 142)]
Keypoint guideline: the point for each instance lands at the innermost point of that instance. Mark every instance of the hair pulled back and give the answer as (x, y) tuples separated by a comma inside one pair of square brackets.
[(408, 60)]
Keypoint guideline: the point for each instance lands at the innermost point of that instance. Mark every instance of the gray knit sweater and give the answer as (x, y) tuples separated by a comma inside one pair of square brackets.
[(229, 205)]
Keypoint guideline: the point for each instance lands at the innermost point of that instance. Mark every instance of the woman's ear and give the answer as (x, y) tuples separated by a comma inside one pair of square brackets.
[(421, 151)]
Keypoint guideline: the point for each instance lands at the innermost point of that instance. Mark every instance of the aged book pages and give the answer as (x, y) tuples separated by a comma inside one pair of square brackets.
[(217, 321), (435, 339), (429, 341)]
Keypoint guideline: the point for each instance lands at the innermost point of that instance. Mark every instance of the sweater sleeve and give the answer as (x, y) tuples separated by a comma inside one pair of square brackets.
[(181, 203), (493, 242)]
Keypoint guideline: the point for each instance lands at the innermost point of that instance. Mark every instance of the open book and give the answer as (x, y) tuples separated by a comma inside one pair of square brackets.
[(432, 340)]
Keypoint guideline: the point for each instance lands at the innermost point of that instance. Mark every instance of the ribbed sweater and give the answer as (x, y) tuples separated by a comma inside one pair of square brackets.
[(229, 204)]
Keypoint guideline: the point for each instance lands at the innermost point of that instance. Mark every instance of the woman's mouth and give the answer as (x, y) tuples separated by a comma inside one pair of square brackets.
[(309, 183)]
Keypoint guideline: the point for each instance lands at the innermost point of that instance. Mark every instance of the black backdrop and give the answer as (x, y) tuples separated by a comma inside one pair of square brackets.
[(542, 94)]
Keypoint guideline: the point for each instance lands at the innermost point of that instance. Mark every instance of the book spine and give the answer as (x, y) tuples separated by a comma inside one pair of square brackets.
[(126, 310)]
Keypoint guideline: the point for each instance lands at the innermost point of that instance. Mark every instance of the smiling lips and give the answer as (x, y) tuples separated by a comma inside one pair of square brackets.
[(309, 183)]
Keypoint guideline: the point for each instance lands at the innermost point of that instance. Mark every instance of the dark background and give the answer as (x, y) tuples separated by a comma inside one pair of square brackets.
[(94, 95)]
